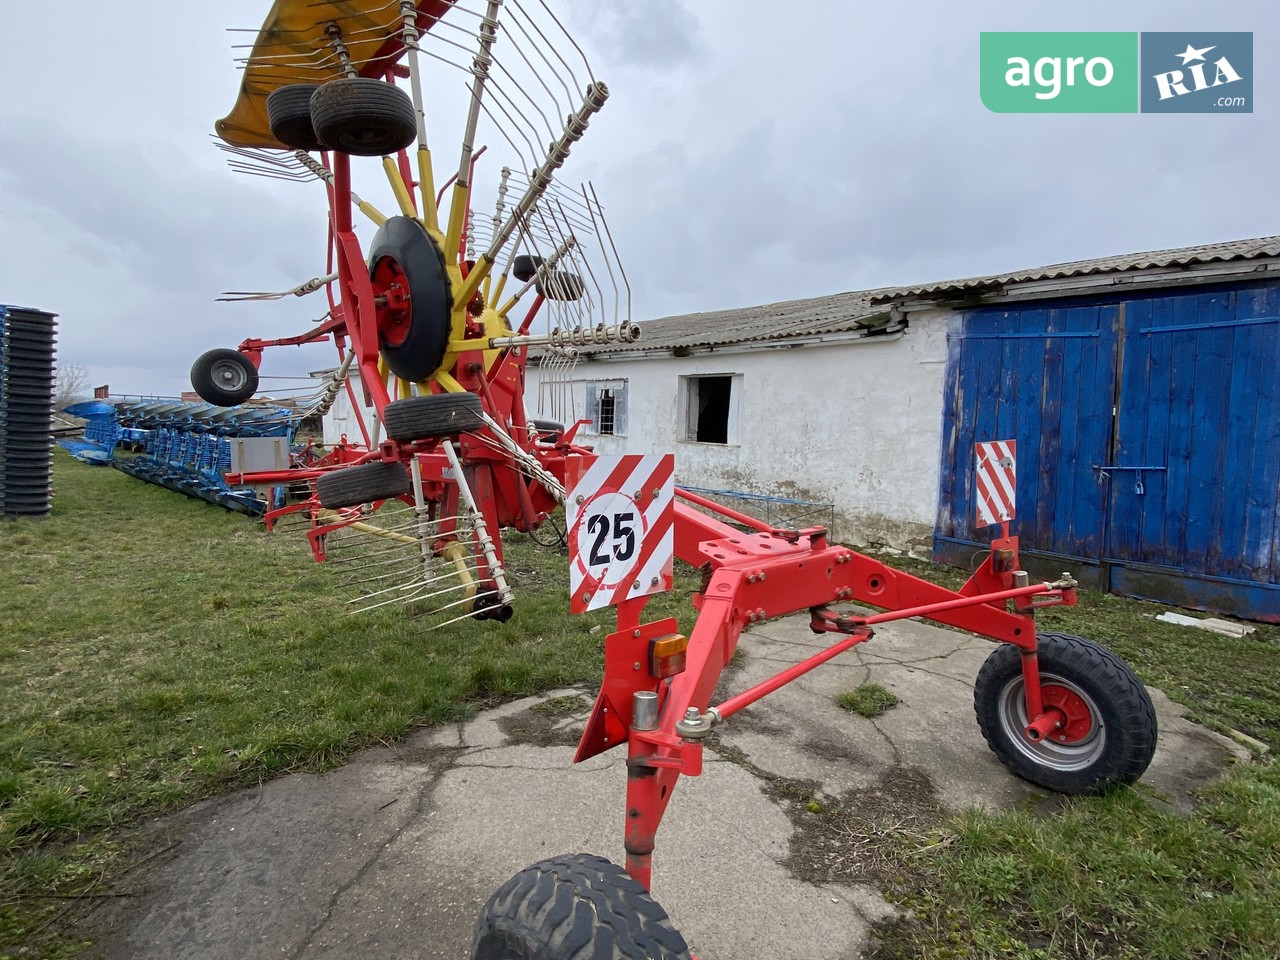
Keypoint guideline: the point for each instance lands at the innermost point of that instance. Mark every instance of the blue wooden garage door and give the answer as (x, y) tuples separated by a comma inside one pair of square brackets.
[(1148, 432)]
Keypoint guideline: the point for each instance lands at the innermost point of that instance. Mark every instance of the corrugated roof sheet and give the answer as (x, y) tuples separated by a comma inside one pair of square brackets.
[(837, 313), (1177, 257), (868, 310)]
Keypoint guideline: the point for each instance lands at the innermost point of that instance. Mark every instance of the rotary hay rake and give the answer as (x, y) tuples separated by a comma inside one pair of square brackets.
[(451, 457)]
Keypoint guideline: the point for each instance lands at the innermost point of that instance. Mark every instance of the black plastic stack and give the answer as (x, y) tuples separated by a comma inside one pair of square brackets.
[(26, 411)]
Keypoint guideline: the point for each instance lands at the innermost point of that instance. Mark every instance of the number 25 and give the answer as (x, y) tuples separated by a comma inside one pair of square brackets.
[(624, 538)]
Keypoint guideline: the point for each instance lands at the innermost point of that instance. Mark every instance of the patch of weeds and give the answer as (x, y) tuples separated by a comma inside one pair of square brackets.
[(544, 724), (795, 792), (859, 837), (557, 708), (1105, 877), (867, 700)]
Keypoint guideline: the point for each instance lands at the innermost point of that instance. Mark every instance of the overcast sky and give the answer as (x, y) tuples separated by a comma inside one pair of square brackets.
[(750, 152)]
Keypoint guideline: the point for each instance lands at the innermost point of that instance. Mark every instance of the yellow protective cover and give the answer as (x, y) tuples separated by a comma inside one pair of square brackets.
[(293, 47)]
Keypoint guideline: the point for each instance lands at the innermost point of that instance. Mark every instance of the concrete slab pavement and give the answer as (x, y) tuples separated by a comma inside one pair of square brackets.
[(395, 853)]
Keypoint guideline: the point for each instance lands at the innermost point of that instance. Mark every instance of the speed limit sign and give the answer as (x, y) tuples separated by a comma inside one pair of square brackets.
[(621, 545)]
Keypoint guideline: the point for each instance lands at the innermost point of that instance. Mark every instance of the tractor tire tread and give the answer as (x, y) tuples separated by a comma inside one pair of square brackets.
[(210, 390), (525, 266), (363, 483), (432, 415), (575, 907), (548, 431), (289, 115), (1133, 727), (561, 286), (363, 116)]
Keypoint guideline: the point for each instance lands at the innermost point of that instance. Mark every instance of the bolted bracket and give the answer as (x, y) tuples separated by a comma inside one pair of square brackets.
[(696, 725)]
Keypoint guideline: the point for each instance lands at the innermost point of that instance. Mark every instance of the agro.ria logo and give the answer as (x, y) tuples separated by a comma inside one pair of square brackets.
[(1197, 73), (1174, 84)]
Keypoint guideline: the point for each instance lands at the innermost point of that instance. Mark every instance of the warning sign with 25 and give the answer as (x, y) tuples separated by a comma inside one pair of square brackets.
[(621, 545)]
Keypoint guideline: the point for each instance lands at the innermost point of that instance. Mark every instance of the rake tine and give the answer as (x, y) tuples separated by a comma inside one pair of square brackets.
[(415, 583), (398, 572), (465, 616)]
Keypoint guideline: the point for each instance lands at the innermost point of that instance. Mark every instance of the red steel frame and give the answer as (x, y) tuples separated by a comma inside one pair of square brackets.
[(747, 577), (770, 573)]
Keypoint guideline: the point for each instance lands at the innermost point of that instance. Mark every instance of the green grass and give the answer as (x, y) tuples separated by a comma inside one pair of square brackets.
[(1116, 876), (156, 649), (867, 700), (1111, 878)]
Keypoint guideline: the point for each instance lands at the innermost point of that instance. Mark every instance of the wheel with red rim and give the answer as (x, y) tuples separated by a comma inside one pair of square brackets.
[(1104, 722), (412, 298)]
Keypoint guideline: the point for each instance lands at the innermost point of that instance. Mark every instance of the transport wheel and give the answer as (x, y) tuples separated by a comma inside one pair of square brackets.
[(558, 285), (289, 113), (363, 483), (1109, 724), (224, 377), (548, 431), (414, 300), (435, 415), (363, 117), (575, 907), (525, 266)]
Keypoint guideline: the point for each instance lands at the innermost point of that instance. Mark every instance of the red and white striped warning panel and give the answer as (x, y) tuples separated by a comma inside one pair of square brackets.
[(621, 542), (996, 489)]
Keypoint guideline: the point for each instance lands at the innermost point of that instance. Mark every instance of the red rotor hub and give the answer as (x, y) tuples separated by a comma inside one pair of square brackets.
[(394, 306), (1073, 714)]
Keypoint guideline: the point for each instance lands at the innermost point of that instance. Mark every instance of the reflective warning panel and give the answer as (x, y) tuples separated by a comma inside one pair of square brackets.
[(997, 482), (620, 515)]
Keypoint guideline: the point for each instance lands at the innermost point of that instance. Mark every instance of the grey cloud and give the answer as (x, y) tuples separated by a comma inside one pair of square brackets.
[(133, 248), (746, 156), (655, 34)]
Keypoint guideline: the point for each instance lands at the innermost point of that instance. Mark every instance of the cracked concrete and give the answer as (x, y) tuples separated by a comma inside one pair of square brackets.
[(395, 853)]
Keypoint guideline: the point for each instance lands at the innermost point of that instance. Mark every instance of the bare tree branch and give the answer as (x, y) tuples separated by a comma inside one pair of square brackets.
[(71, 385)]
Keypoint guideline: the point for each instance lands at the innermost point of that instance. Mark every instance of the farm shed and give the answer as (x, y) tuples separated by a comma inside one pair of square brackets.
[(1141, 391), (830, 399)]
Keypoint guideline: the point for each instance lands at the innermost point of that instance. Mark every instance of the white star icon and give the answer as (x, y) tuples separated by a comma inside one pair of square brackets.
[(1191, 53)]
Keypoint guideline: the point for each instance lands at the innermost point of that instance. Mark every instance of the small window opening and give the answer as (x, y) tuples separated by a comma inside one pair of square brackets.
[(712, 412), (607, 423)]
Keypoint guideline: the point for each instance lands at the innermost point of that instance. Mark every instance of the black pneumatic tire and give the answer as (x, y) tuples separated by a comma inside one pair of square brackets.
[(224, 377), (289, 113), (548, 431), (434, 415), (525, 266), (558, 285), (363, 117), (363, 483), (1120, 741), (405, 244), (575, 907)]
